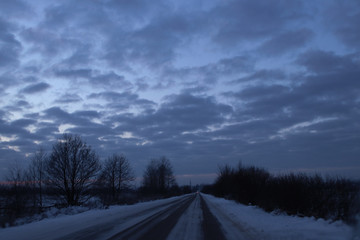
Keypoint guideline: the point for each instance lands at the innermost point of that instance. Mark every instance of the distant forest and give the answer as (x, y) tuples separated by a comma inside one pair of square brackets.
[(72, 175), (295, 194)]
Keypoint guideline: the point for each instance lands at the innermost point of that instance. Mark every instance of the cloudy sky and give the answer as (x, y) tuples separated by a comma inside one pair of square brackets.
[(272, 83)]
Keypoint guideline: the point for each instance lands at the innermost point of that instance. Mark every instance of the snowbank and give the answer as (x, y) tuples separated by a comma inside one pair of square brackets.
[(259, 224)]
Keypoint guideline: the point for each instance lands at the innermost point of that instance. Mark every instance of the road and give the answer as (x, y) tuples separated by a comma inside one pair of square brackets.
[(187, 217), (193, 216)]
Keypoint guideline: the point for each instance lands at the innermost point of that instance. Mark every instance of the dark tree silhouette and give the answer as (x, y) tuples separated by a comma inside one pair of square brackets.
[(36, 175), (297, 194), (158, 176), (71, 168), (150, 179), (17, 197), (116, 174)]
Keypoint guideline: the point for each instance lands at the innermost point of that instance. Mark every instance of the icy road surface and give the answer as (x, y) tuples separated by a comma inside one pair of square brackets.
[(194, 216)]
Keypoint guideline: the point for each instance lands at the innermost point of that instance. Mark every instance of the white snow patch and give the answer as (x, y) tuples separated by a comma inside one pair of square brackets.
[(254, 223)]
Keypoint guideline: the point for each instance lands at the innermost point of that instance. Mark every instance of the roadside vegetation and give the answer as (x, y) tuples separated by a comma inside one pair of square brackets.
[(296, 194), (72, 175)]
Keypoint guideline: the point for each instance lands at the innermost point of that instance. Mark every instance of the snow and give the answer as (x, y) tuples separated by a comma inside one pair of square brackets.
[(254, 223), (52, 213)]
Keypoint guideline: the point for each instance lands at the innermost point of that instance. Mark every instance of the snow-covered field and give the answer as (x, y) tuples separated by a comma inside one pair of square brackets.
[(255, 223), (237, 222)]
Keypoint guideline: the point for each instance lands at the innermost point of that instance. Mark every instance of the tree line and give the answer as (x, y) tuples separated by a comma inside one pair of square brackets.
[(72, 173), (296, 194)]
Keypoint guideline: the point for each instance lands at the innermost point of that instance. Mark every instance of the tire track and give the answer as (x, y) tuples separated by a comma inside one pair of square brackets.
[(158, 225), (96, 231), (210, 225)]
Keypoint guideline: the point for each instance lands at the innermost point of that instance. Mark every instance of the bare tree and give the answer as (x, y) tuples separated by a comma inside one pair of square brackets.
[(15, 175), (71, 168), (107, 177), (166, 175), (158, 176), (117, 174), (36, 174), (150, 178), (124, 173), (17, 197)]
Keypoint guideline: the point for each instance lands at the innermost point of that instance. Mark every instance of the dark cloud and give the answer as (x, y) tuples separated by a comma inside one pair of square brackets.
[(48, 42), (61, 116), (316, 95), (171, 130), (74, 73), (178, 115), (22, 103), (46, 132), (35, 88), (286, 122), (10, 47), (94, 77), (262, 92), (154, 44), (15, 138), (136, 9), (58, 114), (87, 114), (17, 106), (343, 18), (79, 122), (7, 129), (262, 75), (111, 79), (239, 21), (200, 89), (122, 100), (209, 74), (69, 98), (15, 8), (136, 32), (78, 118), (323, 62), (23, 122), (186, 112), (103, 13), (232, 65), (141, 85), (287, 42)]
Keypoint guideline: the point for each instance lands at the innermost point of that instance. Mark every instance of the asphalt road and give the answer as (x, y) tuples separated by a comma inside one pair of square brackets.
[(185, 217), (193, 216), (161, 224)]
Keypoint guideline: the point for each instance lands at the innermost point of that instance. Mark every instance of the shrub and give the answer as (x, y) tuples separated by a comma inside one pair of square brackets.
[(296, 194)]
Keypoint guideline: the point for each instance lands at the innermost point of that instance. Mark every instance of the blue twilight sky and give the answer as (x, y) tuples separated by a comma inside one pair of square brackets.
[(273, 83)]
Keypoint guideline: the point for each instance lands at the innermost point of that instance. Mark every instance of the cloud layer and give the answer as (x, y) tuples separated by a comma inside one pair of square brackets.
[(274, 84)]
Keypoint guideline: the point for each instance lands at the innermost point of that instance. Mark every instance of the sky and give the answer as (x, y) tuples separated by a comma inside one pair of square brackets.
[(270, 83)]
